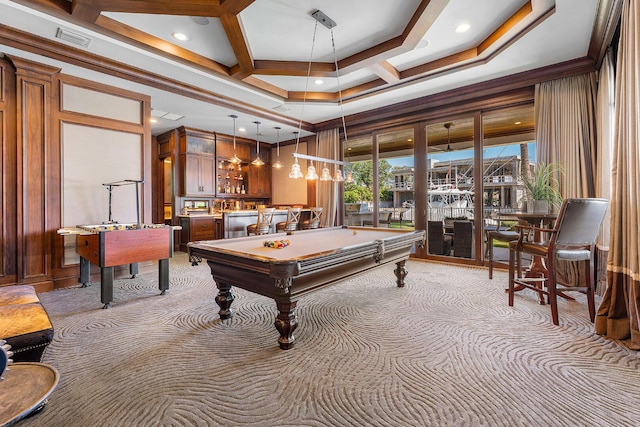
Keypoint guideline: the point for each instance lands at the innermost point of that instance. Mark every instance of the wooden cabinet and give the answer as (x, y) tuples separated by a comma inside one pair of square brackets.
[(205, 170), (195, 228), (199, 175), (224, 150), (259, 178), (197, 163)]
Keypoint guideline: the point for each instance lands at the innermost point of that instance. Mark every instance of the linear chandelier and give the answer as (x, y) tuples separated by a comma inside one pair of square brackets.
[(311, 170)]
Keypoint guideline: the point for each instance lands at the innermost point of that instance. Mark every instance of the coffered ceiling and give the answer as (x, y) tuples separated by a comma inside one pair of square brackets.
[(252, 57)]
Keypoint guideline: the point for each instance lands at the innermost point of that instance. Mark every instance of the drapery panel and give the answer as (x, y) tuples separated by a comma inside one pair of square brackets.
[(619, 311), (605, 116), (565, 117), (327, 191)]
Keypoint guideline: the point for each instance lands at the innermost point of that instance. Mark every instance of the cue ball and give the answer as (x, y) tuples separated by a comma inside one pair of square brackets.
[(355, 232)]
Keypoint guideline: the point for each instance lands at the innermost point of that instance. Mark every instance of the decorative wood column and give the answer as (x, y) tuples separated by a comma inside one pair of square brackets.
[(34, 96), (8, 233)]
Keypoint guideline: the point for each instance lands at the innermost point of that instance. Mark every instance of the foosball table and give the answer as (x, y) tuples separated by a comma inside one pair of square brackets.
[(111, 245)]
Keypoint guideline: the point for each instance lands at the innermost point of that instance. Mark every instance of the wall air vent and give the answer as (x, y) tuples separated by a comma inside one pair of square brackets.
[(72, 37)]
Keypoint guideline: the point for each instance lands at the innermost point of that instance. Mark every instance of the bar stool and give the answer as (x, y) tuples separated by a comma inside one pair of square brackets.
[(498, 233), (293, 218), (263, 224), (314, 220)]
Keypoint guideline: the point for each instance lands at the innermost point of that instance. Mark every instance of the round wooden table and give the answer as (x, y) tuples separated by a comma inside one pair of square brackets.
[(25, 389)]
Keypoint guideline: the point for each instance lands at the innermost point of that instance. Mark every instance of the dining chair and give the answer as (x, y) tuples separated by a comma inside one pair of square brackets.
[(498, 232), (314, 219), (571, 240), (263, 223), (293, 218), (463, 239), (439, 243)]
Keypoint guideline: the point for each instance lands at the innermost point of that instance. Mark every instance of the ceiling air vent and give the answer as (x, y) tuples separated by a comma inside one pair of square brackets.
[(72, 37)]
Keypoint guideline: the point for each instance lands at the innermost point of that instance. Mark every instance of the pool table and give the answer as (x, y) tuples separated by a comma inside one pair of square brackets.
[(313, 260)]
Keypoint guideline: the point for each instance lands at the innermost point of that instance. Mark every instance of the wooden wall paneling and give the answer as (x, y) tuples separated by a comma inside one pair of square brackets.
[(33, 98), (63, 275), (8, 190), (141, 127)]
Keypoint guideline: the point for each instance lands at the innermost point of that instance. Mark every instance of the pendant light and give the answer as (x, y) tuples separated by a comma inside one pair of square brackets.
[(311, 172), (448, 126), (277, 164), (295, 167), (235, 160), (257, 161), (326, 174)]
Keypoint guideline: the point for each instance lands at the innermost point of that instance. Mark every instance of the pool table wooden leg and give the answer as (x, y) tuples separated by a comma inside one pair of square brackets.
[(401, 273), (224, 300), (286, 323)]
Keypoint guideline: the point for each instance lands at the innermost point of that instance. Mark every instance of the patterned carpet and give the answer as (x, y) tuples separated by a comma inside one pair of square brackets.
[(444, 351)]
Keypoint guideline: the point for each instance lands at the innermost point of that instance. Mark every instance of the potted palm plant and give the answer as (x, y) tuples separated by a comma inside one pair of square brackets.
[(542, 188)]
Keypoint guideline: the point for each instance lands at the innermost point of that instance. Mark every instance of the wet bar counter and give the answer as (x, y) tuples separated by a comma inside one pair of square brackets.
[(235, 222)]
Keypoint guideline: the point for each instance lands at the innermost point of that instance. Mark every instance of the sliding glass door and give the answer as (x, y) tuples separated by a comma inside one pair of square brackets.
[(509, 151), (396, 179), (451, 193)]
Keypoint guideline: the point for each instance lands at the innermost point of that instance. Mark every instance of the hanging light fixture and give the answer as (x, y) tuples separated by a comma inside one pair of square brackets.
[(311, 170), (326, 174), (277, 164), (235, 160), (448, 126), (349, 178), (295, 167), (257, 161)]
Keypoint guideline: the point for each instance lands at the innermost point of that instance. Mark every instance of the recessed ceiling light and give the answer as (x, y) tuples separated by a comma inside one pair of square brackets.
[(463, 28), (242, 130), (319, 81), (409, 140), (153, 120), (180, 36), (517, 123)]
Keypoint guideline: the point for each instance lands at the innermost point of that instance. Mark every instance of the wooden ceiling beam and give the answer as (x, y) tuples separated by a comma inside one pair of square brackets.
[(233, 29), (234, 7), (422, 19), (386, 71), (162, 47), (506, 26), (293, 68), (85, 11)]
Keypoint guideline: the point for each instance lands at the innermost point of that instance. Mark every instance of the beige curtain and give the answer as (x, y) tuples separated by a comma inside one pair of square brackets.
[(565, 118), (605, 116), (619, 311), (328, 147)]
